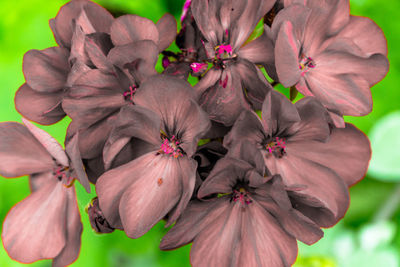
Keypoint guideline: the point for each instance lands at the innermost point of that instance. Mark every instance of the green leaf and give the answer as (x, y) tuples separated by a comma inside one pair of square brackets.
[(385, 142)]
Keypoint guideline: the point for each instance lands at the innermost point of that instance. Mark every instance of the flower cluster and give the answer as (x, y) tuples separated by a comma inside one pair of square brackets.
[(241, 171)]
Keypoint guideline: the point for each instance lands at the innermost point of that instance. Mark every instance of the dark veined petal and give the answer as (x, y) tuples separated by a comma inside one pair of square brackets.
[(278, 113), (72, 149), (348, 94), (48, 142), (39, 180), (196, 217), (209, 79), (46, 70), (365, 34), (35, 228), (130, 28), (158, 187), (97, 46), (287, 49), (320, 182), (258, 51), (167, 29), (347, 152), (96, 18), (73, 232), (205, 15), (218, 244), (264, 242), (43, 108), (20, 152)]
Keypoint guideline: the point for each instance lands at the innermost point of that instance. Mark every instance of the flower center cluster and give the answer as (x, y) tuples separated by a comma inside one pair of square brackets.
[(63, 175), (128, 95), (242, 196), (276, 147), (223, 52), (170, 146), (306, 63)]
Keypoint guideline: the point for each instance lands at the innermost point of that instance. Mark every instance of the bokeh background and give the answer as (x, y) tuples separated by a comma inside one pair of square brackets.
[(369, 235)]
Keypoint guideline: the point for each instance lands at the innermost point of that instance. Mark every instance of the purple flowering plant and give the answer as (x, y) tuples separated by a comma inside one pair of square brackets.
[(235, 167)]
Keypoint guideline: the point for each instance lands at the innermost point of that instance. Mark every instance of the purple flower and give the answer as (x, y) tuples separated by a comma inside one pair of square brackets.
[(96, 217), (49, 72), (136, 195), (296, 142), (324, 52), (234, 82), (45, 225), (247, 219)]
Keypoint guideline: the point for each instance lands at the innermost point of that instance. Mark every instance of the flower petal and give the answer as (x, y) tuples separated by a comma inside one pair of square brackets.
[(130, 28), (46, 70), (42, 108), (167, 30), (35, 228), (20, 152), (258, 51), (97, 46), (48, 142)]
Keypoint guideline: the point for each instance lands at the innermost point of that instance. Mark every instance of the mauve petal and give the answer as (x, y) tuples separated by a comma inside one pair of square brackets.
[(97, 46), (20, 152), (248, 126), (144, 52), (373, 69), (130, 28), (320, 182), (287, 49), (35, 228), (347, 152), (278, 113), (46, 70), (249, 152), (197, 216), (49, 143), (77, 52), (74, 231), (366, 34), (93, 138), (314, 124), (258, 51), (219, 243), (224, 176), (94, 168), (156, 190), (209, 79), (78, 69), (205, 15), (253, 82), (225, 100), (113, 184), (230, 11), (348, 94), (42, 108), (188, 178), (264, 242), (167, 30), (98, 18), (72, 149), (295, 223), (88, 84), (40, 180), (245, 24)]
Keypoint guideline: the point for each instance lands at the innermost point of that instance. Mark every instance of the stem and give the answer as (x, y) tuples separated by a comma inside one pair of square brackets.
[(389, 207)]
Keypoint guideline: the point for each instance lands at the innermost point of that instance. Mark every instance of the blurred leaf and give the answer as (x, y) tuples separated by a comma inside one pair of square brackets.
[(385, 142)]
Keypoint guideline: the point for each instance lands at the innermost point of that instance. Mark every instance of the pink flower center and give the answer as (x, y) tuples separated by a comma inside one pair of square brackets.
[(63, 175), (129, 93), (241, 196), (170, 146), (199, 67), (277, 147), (306, 63), (223, 51)]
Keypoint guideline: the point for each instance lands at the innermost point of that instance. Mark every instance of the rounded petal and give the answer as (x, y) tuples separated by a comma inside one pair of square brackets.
[(43, 108), (167, 29), (46, 70), (258, 51), (20, 152), (35, 228), (130, 28)]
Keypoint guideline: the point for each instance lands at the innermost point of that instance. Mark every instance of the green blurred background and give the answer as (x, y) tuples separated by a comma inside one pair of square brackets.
[(369, 235)]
